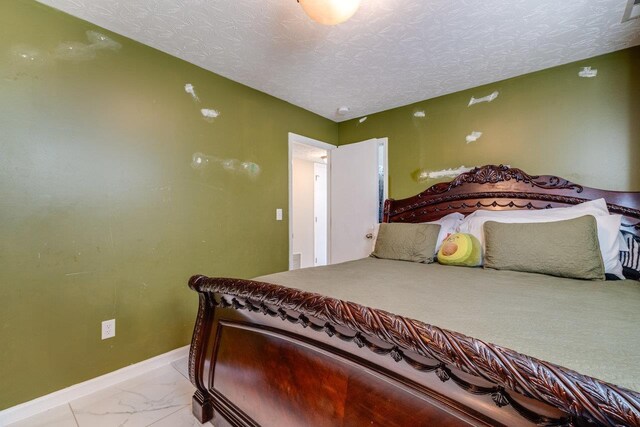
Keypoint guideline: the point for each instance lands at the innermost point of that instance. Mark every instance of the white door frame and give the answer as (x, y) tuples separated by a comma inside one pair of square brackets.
[(384, 142), (320, 210), (315, 143)]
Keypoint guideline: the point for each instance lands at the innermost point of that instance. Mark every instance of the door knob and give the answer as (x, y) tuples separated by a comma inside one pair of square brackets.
[(369, 236)]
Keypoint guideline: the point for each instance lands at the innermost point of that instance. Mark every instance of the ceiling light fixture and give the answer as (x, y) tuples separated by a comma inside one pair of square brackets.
[(330, 12)]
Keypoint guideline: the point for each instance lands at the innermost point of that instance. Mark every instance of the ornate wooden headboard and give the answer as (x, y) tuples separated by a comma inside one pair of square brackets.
[(503, 188)]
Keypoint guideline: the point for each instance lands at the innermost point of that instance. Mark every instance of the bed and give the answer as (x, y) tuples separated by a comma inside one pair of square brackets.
[(293, 349)]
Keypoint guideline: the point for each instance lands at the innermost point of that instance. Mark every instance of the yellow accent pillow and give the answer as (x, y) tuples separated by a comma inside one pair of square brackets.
[(460, 249)]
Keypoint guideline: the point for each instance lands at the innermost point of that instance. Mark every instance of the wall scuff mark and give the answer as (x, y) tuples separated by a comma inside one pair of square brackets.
[(419, 114), (101, 42), (79, 51), (252, 169), (487, 98), (191, 91), (27, 54), (74, 51), (200, 161), (473, 136), (209, 114), (588, 72), (77, 273), (422, 175), (67, 51)]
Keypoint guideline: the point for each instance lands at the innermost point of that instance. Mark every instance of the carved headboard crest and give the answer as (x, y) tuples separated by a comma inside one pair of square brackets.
[(504, 188), (494, 174)]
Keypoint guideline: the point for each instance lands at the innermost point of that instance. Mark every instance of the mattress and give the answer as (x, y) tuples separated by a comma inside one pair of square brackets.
[(591, 327)]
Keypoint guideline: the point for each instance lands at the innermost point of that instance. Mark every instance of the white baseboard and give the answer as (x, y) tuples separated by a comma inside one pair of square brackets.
[(66, 395)]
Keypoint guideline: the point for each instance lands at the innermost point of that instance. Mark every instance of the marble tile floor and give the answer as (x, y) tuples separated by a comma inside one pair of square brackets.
[(160, 398)]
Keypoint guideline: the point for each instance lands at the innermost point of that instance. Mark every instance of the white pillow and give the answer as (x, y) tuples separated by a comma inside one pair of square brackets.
[(473, 224), (592, 207), (449, 224), (596, 208), (608, 232)]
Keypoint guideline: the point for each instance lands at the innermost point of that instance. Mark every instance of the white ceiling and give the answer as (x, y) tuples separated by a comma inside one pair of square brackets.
[(308, 153), (392, 53)]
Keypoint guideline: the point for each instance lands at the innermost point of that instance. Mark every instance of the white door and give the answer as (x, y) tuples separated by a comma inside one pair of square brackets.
[(320, 213), (354, 199)]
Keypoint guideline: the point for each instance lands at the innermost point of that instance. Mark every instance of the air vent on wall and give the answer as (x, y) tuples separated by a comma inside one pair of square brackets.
[(632, 10)]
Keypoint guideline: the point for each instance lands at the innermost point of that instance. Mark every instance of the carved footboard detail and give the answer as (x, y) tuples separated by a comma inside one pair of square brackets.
[(202, 405), (585, 400)]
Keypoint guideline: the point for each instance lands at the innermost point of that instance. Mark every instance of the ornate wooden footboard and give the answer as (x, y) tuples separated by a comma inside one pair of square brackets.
[(264, 354)]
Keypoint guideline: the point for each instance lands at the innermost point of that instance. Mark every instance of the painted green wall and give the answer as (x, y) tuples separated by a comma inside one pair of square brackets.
[(548, 122), (105, 211), (104, 214)]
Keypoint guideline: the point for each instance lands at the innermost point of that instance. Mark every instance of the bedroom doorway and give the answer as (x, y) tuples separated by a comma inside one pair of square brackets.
[(336, 197), (358, 182), (308, 202)]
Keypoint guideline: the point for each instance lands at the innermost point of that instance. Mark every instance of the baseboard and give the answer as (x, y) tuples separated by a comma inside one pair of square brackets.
[(66, 395)]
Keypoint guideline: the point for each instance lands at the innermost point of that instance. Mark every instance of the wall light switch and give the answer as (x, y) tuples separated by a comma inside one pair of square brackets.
[(108, 329), (278, 214)]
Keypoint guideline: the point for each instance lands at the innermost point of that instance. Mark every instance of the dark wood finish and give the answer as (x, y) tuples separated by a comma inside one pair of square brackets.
[(502, 375), (503, 188), (202, 406), (264, 371), (264, 354)]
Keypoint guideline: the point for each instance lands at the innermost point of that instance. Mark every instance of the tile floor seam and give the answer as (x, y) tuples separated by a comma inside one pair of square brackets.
[(146, 393), (180, 372), (74, 414), (157, 421)]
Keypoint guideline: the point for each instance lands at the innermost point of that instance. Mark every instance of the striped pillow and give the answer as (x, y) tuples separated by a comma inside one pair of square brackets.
[(631, 259)]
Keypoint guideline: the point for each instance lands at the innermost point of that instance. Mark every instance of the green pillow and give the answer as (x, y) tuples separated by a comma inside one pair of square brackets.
[(407, 242), (562, 248), (460, 249)]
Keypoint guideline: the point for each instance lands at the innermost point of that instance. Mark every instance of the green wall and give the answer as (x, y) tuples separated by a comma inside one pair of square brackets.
[(103, 211), (548, 122)]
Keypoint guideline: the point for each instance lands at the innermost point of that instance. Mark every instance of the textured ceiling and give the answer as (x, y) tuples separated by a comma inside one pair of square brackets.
[(308, 153), (391, 53)]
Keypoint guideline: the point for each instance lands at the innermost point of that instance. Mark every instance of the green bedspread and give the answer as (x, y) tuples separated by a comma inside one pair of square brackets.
[(592, 327)]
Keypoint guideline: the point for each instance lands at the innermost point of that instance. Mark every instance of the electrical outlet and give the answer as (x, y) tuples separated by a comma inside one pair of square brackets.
[(278, 214), (108, 329)]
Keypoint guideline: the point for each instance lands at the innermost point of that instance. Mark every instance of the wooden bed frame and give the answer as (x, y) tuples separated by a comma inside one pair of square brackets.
[(264, 354)]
